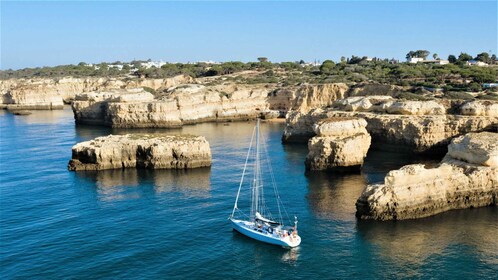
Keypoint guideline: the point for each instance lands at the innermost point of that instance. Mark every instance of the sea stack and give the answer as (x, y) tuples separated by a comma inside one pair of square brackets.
[(141, 151), (341, 144), (467, 177)]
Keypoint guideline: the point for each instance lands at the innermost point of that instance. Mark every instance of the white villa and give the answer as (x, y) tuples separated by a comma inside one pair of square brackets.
[(476, 63), (415, 60)]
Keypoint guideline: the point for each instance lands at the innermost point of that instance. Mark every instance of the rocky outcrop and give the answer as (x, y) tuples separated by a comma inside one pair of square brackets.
[(53, 93), (367, 89), (341, 144), (141, 151), (374, 103), (480, 108), (308, 97), (92, 107), (466, 178), (180, 105), (419, 132), (475, 148)]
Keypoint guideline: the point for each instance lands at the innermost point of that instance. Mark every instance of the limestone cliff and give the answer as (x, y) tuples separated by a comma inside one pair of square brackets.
[(180, 105), (308, 97), (341, 144), (53, 93), (408, 126), (467, 177), (141, 151)]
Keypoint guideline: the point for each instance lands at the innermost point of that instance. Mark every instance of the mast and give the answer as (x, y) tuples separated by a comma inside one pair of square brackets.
[(256, 175), (235, 207)]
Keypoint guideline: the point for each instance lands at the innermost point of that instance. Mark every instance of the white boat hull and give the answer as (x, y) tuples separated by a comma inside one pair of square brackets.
[(247, 228)]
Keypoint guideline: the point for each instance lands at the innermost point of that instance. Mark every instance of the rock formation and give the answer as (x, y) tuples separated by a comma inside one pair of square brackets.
[(467, 177), (308, 97), (53, 93), (407, 127), (180, 105), (141, 151), (341, 144), (480, 108)]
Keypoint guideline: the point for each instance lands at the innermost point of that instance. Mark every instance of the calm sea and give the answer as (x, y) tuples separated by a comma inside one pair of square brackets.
[(165, 224)]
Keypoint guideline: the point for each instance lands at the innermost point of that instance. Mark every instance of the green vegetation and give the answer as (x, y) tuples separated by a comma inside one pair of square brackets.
[(453, 77)]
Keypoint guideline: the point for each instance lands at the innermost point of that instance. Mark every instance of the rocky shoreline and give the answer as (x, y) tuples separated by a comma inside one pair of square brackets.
[(338, 121), (52, 94), (420, 125), (141, 151), (466, 178)]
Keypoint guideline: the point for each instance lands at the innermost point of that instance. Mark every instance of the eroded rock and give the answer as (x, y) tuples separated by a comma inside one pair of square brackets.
[(341, 144), (141, 151), (181, 105), (470, 179)]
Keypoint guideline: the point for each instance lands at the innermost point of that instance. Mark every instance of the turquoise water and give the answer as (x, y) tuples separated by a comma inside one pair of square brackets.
[(173, 224)]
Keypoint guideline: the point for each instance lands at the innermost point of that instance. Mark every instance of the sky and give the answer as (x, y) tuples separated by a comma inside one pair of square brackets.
[(42, 33)]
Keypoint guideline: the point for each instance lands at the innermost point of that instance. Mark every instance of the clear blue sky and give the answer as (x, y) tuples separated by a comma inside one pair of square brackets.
[(51, 33)]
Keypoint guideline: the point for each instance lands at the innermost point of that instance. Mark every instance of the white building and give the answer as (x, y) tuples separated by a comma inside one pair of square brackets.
[(476, 63), (151, 64), (414, 60)]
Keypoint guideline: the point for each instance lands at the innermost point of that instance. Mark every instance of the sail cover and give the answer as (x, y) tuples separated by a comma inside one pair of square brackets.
[(263, 219)]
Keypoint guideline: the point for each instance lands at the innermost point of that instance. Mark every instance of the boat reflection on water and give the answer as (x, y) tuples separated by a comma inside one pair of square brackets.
[(416, 241), (334, 196), (120, 184), (291, 256)]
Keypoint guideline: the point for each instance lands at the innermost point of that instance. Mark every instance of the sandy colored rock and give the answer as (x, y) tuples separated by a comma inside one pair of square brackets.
[(420, 132), (375, 103), (416, 108), (341, 144), (340, 127), (315, 96), (476, 148), (480, 108), (185, 104), (141, 151), (414, 191), (53, 93)]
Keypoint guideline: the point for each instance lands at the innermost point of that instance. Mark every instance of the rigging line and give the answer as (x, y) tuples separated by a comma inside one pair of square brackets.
[(243, 173)]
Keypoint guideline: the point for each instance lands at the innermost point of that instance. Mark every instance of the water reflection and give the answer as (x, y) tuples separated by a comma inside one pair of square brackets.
[(44, 116), (193, 180), (89, 132), (415, 241), (120, 184), (291, 256), (334, 195)]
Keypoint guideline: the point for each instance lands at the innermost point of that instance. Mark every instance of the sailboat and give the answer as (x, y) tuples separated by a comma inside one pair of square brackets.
[(260, 224)]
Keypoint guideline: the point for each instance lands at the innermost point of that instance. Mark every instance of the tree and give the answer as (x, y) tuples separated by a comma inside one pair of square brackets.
[(418, 53), (435, 56), (262, 59), (354, 59), (484, 57), (422, 53), (410, 54), (493, 59), (464, 57), (327, 66), (452, 58)]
